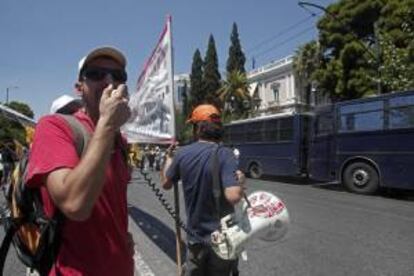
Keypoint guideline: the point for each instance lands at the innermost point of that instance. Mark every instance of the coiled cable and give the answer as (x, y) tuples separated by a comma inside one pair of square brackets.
[(170, 210)]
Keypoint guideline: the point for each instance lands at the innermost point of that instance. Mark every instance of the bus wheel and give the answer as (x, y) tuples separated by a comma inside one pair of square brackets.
[(361, 178), (255, 171)]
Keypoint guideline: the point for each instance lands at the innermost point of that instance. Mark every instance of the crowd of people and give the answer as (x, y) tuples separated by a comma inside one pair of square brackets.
[(146, 157), (90, 189)]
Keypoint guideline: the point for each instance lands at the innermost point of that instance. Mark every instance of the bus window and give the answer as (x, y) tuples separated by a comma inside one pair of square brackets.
[(286, 129), (237, 133), (401, 113), (271, 130), (254, 132), (361, 117)]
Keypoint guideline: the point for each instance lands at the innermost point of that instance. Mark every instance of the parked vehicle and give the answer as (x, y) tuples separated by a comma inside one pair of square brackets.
[(365, 144)]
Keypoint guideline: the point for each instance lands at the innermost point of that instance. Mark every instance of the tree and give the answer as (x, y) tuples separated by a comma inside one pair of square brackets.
[(21, 108), (396, 41), (234, 94), (236, 59), (211, 77), (12, 129), (196, 80), (354, 56), (184, 96), (346, 39), (305, 64)]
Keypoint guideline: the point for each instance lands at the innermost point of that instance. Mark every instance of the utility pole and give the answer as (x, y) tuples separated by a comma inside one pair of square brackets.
[(7, 92)]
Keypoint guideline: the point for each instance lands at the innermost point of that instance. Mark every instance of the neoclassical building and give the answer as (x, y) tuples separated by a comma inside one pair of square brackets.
[(274, 89)]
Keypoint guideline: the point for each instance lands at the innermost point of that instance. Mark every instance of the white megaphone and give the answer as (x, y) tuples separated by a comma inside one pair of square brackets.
[(266, 218)]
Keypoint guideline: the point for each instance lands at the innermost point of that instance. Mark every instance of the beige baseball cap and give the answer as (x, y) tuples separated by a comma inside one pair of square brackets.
[(106, 51)]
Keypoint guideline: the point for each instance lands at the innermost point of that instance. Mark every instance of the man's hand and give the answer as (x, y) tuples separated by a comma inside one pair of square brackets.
[(241, 178), (113, 108)]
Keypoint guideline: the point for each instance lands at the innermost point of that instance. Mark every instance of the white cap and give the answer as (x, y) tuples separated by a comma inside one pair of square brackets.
[(62, 102), (106, 51)]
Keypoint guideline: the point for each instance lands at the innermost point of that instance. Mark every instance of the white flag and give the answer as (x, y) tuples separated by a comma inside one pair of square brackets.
[(152, 105)]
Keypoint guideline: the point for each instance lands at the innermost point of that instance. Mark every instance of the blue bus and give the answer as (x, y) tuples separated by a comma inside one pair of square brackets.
[(365, 144), (271, 145)]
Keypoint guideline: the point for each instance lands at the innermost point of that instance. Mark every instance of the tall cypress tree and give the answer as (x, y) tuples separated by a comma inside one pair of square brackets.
[(211, 75), (236, 59), (196, 80)]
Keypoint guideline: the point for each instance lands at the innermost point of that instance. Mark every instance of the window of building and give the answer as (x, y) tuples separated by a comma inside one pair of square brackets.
[(275, 87)]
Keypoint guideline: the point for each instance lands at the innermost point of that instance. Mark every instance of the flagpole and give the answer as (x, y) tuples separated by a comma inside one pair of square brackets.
[(178, 238)]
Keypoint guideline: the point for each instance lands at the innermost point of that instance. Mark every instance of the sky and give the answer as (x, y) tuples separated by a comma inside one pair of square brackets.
[(42, 41)]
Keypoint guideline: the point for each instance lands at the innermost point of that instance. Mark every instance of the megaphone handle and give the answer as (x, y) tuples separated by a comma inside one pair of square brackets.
[(247, 200)]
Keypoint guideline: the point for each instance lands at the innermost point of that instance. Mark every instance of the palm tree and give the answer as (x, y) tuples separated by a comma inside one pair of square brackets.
[(234, 95), (305, 63)]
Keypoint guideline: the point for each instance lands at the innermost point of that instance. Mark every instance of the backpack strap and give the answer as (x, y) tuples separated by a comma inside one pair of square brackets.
[(79, 132), (215, 168), (223, 207)]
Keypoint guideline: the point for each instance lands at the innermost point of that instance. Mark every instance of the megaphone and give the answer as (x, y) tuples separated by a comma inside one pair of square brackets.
[(263, 215)]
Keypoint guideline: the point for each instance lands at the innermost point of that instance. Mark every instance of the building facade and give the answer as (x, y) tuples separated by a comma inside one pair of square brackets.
[(274, 89), (181, 88)]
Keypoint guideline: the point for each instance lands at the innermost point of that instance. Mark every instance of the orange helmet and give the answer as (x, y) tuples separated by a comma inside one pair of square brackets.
[(204, 112)]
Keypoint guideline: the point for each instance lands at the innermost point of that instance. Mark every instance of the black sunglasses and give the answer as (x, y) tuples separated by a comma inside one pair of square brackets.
[(98, 74)]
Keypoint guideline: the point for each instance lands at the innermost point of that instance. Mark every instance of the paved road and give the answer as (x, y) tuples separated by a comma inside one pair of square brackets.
[(332, 233)]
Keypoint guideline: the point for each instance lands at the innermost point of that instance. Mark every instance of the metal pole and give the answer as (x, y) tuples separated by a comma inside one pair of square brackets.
[(7, 92), (177, 230), (178, 239)]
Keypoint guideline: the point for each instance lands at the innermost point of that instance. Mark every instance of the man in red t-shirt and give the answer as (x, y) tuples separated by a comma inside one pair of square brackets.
[(89, 191)]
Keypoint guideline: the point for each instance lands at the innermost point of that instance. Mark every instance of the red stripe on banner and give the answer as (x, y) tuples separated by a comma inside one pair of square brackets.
[(150, 60)]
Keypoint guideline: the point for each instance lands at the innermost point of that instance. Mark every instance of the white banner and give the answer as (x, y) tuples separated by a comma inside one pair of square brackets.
[(152, 105)]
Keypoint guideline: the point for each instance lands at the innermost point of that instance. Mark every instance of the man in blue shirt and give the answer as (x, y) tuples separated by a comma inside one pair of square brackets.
[(192, 164)]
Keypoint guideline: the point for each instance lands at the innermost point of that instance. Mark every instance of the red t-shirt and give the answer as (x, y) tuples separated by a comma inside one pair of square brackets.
[(98, 245)]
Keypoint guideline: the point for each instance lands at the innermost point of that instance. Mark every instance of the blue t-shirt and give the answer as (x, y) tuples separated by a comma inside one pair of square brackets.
[(192, 164)]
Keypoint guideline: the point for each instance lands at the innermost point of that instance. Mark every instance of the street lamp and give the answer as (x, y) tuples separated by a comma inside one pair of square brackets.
[(7, 92), (376, 57)]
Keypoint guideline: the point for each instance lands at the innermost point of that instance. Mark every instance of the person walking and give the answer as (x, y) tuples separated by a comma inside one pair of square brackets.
[(90, 191), (192, 165)]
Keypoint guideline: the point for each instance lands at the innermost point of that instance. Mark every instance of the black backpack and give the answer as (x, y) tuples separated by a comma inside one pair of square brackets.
[(35, 236)]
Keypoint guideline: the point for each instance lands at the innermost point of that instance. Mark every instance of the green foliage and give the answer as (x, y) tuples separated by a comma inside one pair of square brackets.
[(186, 102), (366, 47), (21, 108), (305, 62), (211, 76), (236, 59), (234, 95), (184, 131), (11, 130), (397, 45), (196, 80)]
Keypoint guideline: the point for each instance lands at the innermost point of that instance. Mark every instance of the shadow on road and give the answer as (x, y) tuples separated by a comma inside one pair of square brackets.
[(159, 233), (289, 179), (398, 194), (330, 186)]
